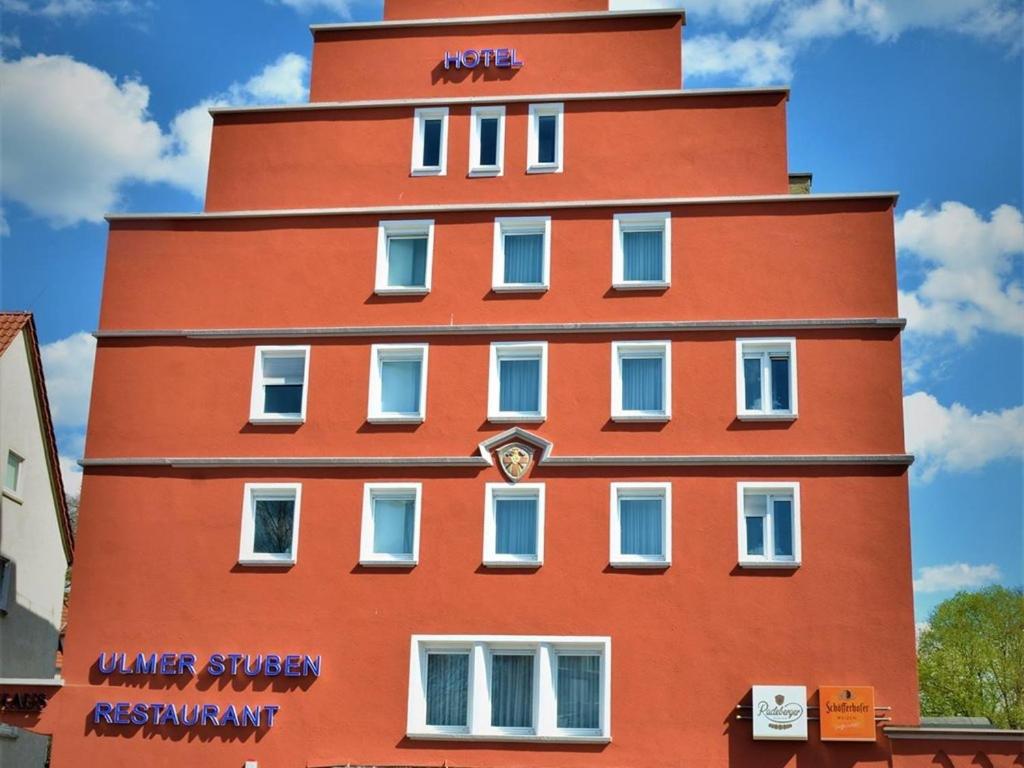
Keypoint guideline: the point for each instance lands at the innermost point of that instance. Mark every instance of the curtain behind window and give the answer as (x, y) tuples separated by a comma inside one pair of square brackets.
[(393, 523), (407, 261), (447, 688), (640, 524), (511, 691), (642, 255), (579, 691), (524, 258), (642, 384), (400, 386), (519, 386), (515, 526)]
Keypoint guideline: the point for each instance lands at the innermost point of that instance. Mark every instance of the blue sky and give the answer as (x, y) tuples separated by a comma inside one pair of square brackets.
[(104, 105)]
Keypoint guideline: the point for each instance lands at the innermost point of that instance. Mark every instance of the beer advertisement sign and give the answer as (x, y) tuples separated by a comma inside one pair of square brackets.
[(847, 712), (780, 712)]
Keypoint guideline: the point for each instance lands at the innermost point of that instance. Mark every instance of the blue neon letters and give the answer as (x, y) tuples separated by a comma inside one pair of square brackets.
[(471, 58)]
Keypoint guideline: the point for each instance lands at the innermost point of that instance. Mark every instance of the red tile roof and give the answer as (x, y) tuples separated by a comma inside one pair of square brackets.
[(11, 323)]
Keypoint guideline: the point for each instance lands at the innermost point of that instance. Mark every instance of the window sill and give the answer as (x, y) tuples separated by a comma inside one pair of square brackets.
[(790, 564), (513, 563), (375, 563), (271, 420), (508, 418), (554, 738), (766, 416), (645, 286), (395, 419), (477, 173), (250, 562), (427, 172), (544, 169), (410, 291), (617, 417), (523, 288), (649, 564), (13, 496)]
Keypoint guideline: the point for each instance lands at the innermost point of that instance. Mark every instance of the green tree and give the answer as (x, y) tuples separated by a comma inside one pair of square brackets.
[(971, 657)]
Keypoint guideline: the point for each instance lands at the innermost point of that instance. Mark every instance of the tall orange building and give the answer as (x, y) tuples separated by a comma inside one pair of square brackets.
[(503, 408)]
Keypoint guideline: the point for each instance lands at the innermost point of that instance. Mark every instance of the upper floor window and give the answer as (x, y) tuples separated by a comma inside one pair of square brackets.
[(510, 688), (641, 381), (766, 378), (518, 381), (514, 525), (270, 524), (405, 251), (522, 253), (279, 385), (769, 524), (545, 140), (430, 142), (641, 525), (12, 473), (6, 584), (487, 141), (398, 383), (641, 250), (391, 524)]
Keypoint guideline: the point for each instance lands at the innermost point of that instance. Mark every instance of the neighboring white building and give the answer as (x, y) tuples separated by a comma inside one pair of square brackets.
[(36, 541)]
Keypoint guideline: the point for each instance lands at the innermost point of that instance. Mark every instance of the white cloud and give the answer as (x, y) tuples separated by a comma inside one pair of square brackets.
[(954, 577), (755, 61), (5, 228), (342, 8), (969, 264), (58, 9), (72, 135), (954, 439), (71, 474), (67, 365), (9, 40), (786, 27)]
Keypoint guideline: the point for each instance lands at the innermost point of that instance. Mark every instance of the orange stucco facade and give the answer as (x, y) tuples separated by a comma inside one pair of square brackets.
[(286, 253)]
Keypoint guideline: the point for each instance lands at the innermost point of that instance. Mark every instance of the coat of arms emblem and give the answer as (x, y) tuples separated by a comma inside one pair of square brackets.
[(515, 461)]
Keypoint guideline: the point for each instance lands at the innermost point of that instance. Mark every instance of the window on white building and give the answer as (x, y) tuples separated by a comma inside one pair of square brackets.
[(769, 524), (398, 383), (514, 525), (642, 251), (270, 524), (766, 378), (6, 584), (391, 524), (404, 256), (12, 473), (641, 381), (510, 688), (518, 381), (522, 254), (279, 390), (430, 142), (545, 140), (487, 141), (641, 525)]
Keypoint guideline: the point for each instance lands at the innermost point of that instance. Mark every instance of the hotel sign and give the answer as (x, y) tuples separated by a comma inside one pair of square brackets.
[(780, 712), (471, 58), (847, 713)]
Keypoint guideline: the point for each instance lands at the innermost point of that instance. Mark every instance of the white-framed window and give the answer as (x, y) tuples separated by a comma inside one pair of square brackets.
[(270, 524), (398, 383), (405, 256), (766, 378), (518, 389), (487, 141), (545, 141), (641, 381), (769, 524), (280, 378), (430, 142), (391, 524), (641, 251), (522, 254), (510, 688), (6, 584), (12, 473), (641, 525), (514, 525)]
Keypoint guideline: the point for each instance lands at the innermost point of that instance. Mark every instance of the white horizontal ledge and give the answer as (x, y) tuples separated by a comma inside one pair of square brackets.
[(671, 93), (40, 682), (361, 462), (489, 329), (951, 733), (543, 205), (524, 18)]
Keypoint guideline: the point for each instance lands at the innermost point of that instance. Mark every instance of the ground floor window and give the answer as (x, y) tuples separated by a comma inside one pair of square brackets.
[(510, 688)]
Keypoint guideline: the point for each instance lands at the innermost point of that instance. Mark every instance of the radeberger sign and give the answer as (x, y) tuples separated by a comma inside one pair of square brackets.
[(847, 712), (780, 712)]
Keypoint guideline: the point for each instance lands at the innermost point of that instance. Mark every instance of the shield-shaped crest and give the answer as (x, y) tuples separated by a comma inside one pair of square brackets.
[(515, 460)]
